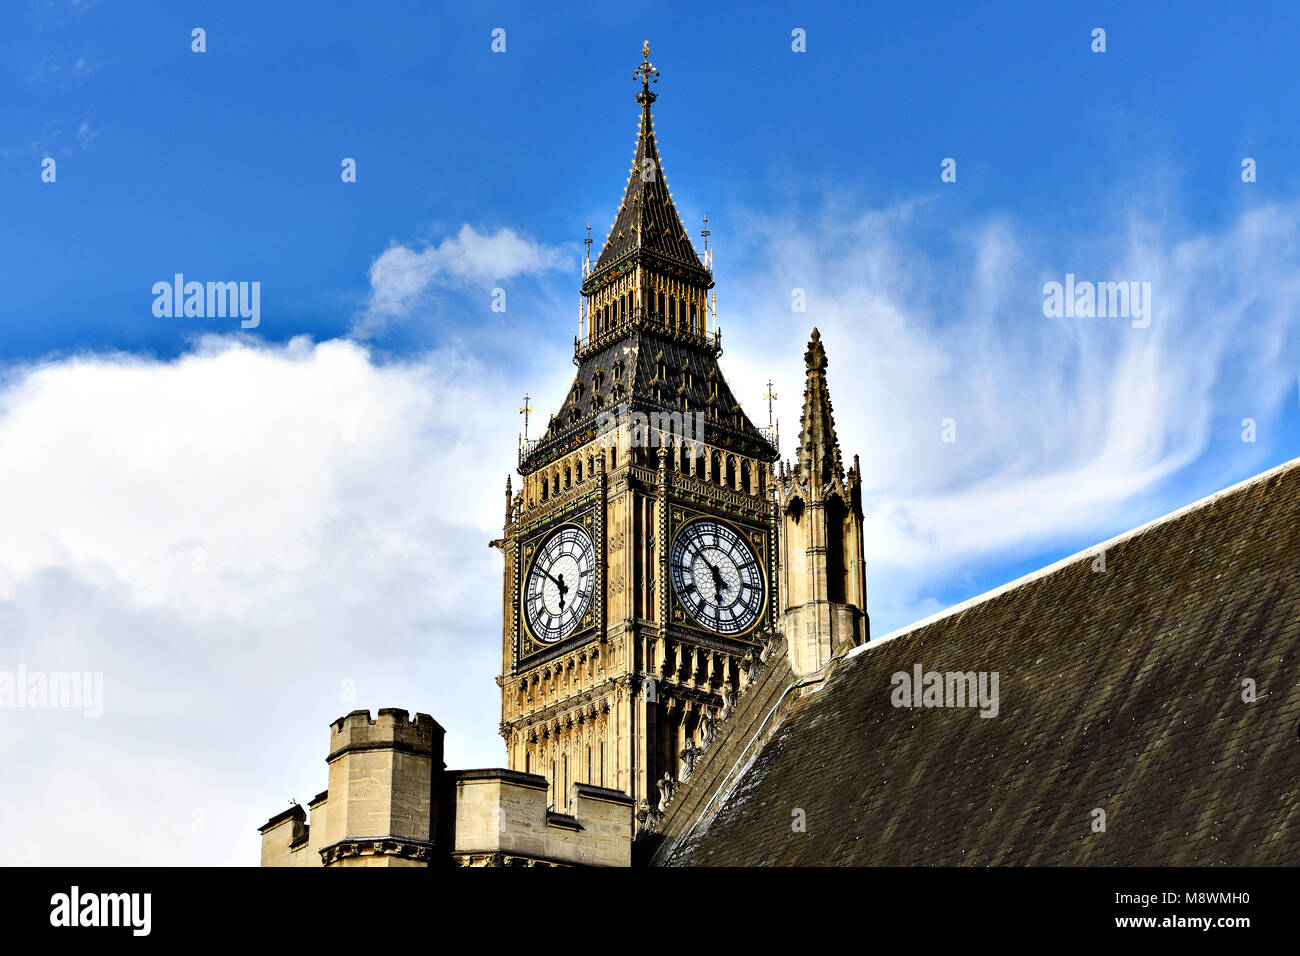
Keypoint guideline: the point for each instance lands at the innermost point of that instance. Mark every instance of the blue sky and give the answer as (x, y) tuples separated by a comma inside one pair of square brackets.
[(200, 511), (226, 163)]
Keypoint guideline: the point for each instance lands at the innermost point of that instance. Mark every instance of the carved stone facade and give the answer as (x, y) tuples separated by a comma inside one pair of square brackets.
[(648, 442)]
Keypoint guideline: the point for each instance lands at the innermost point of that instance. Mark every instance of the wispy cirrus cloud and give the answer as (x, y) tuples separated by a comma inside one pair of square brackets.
[(1066, 429)]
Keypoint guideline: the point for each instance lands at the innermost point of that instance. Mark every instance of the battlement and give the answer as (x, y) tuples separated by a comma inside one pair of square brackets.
[(391, 730), (391, 802), (501, 816)]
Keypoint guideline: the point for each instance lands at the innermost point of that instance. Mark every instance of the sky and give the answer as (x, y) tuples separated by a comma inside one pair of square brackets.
[(250, 530)]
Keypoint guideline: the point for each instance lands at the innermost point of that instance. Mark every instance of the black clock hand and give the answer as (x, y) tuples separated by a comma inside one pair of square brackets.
[(719, 585), (564, 589)]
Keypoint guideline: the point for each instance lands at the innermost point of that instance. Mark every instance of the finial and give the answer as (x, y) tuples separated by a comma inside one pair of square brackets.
[(646, 71), (770, 396), (815, 357), (705, 233), (526, 411)]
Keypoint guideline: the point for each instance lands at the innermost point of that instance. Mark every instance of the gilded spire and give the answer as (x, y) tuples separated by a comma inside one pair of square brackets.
[(647, 72), (647, 225)]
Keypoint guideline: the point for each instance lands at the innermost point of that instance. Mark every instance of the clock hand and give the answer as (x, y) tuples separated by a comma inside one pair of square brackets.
[(719, 585), (564, 589)]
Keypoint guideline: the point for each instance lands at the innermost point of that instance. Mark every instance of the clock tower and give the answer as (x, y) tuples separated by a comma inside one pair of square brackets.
[(640, 548)]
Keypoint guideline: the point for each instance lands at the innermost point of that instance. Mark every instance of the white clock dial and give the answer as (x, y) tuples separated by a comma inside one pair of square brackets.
[(559, 585), (717, 577)]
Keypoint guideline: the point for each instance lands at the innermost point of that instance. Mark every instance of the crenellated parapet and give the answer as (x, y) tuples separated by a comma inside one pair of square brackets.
[(391, 802), (393, 730)]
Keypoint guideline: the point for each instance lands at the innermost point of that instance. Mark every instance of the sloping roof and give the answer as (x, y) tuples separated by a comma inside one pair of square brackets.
[(1120, 690)]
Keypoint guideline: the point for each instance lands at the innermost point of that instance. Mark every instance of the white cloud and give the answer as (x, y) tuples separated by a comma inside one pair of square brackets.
[(86, 134), (228, 537), (402, 277)]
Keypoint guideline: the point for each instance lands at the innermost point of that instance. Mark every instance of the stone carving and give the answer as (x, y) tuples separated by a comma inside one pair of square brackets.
[(708, 728), (729, 698), (667, 787), (690, 756), (647, 818)]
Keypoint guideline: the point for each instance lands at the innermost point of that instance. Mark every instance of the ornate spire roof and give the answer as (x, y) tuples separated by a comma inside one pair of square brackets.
[(639, 358), (819, 449), (647, 224)]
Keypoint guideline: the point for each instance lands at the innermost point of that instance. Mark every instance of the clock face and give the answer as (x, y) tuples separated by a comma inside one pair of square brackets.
[(559, 586), (717, 578)]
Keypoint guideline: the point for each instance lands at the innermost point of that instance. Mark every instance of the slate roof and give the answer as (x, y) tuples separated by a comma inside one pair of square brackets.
[(1120, 690)]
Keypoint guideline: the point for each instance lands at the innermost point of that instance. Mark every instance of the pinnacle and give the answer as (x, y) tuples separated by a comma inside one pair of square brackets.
[(819, 449), (815, 357)]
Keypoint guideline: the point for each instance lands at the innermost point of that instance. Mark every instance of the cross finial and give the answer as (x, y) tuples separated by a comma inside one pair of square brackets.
[(646, 71), (525, 412), (769, 396)]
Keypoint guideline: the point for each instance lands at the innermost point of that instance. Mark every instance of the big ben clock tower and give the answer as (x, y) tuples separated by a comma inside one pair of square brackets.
[(640, 550)]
